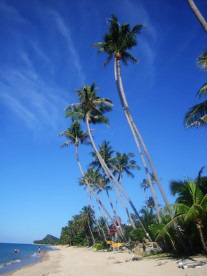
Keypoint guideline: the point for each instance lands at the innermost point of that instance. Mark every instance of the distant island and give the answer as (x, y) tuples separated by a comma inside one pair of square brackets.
[(49, 239)]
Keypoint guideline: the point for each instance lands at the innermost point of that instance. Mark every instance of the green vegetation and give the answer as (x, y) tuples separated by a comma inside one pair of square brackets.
[(49, 239), (178, 227), (197, 115)]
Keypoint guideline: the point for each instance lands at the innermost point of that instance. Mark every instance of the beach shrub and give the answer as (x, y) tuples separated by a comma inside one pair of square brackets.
[(101, 245), (137, 234)]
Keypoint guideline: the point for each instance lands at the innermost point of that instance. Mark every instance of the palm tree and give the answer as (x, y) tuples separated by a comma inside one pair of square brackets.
[(102, 183), (190, 206), (106, 152), (75, 135), (98, 183), (147, 215), (116, 43), (87, 222), (91, 109), (202, 181), (150, 203), (123, 163), (198, 14), (197, 115)]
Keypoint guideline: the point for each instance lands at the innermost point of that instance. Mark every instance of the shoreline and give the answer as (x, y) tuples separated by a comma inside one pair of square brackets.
[(74, 261), (28, 263)]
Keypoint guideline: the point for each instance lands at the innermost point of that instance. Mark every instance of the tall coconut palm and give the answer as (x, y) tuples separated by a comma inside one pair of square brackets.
[(117, 42), (75, 135), (197, 115), (191, 206), (122, 163), (198, 14), (91, 109), (91, 177), (87, 222), (113, 164), (102, 184), (98, 183)]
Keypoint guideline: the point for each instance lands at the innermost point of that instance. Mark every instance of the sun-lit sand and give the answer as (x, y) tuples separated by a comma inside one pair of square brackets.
[(72, 261)]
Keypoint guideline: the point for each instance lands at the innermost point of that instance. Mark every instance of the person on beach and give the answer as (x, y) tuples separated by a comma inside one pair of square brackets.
[(39, 250)]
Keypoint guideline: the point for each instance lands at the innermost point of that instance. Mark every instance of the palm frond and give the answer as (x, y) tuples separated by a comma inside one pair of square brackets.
[(202, 92), (197, 115), (202, 61)]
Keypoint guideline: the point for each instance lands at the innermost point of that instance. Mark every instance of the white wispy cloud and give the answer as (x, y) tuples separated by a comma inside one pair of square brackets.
[(16, 107), (10, 12), (66, 33), (31, 99)]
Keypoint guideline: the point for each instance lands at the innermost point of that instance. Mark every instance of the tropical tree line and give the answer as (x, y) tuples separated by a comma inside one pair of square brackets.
[(104, 174), (182, 232)]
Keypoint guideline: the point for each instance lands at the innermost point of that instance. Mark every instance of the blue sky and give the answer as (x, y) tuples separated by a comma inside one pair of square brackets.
[(46, 53)]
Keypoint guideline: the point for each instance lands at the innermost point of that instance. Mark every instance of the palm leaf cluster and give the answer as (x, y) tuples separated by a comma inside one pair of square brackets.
[(186, 231), (197, 114), (118, 40)]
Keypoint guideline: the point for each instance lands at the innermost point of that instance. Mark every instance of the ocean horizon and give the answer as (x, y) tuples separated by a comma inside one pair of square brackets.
[(13, 256)]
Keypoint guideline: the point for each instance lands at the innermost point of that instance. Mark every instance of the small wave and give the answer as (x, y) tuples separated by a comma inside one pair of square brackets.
[(10, 263), (34, 255)]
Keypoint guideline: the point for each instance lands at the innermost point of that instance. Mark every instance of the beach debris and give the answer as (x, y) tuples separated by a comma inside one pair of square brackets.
[(191, 264), (118, 262), (136, 258)]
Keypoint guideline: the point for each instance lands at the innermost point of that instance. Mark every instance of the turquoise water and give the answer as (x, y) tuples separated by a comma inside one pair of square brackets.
[(28, 254)]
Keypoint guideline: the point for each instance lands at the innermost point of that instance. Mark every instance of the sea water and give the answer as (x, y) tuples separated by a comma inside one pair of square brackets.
[(27, 254)]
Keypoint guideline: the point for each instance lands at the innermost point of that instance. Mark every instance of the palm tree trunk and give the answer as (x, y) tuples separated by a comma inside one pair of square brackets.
[(136, 134), (114, 211), (95, 195), (198, 14), (105, 220), (100, 230), (92, 236), (125, 207), (199, 228), (111, 176)]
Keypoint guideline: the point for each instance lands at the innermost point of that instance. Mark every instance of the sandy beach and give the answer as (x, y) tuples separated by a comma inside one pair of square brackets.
[(72, 261)]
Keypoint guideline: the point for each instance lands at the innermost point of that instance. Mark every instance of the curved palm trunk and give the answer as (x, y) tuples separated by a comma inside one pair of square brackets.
[(125, 207), (100, 230), (95, 195), (199, 228), (136, 134), (198, 14), (105, 220), (115, 214), (111, 176), (92, 236)]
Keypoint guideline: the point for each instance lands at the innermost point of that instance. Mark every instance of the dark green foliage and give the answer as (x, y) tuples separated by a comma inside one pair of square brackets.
[(137, 234), (118, 40), (197, 114), (49, 239), (81, 230), (186, 231)]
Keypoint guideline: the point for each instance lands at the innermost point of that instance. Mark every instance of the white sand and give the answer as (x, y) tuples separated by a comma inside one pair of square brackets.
[(72, 261)]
